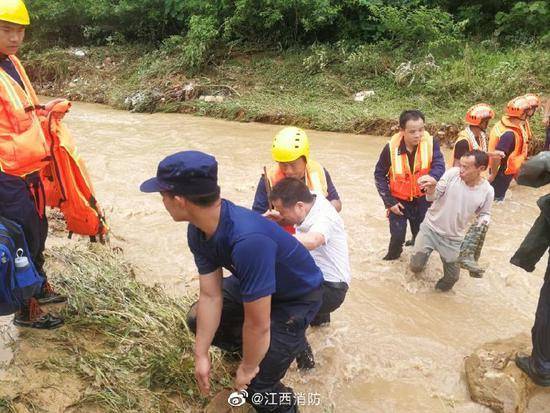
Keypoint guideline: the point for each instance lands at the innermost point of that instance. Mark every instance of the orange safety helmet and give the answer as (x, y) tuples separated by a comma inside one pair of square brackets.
[(478, 112), (533, 100), (517, 107)]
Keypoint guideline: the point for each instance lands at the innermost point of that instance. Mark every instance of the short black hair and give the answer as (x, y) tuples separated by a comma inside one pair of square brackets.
[(291, 191), (481, 157), (411, 114), (203, 200)]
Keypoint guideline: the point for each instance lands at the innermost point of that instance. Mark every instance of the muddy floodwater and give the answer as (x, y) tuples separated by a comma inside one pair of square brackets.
[(396, 345)]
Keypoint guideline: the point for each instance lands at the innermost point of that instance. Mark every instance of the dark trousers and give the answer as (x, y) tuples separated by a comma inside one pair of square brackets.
[(414, 212), (289, 321), (333, 296), (501, 185), (547, 142), (23, 201), (540, 333)]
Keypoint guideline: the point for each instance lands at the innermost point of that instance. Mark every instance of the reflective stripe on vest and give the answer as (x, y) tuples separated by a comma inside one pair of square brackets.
[(23, 147), (316, 179), (468, 136), (403, 181)]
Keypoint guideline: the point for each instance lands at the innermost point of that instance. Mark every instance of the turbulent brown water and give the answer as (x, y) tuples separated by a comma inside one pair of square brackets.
[(395, 345)]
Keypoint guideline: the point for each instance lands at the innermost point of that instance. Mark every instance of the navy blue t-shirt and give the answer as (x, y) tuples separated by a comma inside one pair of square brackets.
[(261, 202), (263, 257), (506, 144), (8, 66)]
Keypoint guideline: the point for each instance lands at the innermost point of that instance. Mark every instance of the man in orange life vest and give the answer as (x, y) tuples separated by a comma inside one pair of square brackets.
[(410, 154), (23, 153), (509, 136), (474, 135), (290, 150)]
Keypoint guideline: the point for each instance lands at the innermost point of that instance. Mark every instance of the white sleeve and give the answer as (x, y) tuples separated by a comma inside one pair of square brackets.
[(441, 186), (484, 211), (324, 223)]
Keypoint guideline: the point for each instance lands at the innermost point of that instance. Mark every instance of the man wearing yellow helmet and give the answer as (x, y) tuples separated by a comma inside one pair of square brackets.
[(23, 153), (290, 150)]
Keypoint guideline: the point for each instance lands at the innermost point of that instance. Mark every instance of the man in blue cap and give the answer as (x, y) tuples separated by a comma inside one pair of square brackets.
[(263, 309)]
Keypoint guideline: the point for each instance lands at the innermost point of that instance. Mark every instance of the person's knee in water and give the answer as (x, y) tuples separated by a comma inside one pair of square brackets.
[(461, 194)]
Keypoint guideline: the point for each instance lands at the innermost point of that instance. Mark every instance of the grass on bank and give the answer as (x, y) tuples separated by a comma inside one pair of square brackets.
[(127, 341), (311, 87)]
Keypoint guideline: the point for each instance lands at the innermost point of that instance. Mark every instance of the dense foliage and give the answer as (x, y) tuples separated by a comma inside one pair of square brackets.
[(287, 22)]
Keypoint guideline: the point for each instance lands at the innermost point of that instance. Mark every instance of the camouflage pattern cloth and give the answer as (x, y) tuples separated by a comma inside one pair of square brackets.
[(470, 249)]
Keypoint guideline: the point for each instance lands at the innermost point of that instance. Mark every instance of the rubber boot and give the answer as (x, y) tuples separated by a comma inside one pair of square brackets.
[(526, 365), (394, 251), (306, 360), (470, 250)]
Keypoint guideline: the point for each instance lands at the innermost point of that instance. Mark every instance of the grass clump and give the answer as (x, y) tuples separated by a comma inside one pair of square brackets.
[(6, 406), (129, 341)]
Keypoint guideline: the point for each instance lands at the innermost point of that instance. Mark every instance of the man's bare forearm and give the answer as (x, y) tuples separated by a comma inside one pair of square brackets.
[(255, 343), (209, 310)]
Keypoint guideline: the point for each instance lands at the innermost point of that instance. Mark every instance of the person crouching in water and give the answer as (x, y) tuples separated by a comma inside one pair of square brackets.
[(263, 309), (461, 194), (321, 230)]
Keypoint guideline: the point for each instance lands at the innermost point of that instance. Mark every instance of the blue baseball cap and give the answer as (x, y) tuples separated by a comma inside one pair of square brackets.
[(185, 173)]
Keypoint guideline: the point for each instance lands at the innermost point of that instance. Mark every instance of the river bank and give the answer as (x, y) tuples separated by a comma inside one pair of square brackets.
[(360, 90)]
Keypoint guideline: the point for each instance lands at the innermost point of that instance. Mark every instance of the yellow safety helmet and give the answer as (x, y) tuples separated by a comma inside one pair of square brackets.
[(289, 144), (14, 11)]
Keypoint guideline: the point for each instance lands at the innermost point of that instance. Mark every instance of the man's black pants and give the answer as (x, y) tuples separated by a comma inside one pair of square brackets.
[(289, 321)]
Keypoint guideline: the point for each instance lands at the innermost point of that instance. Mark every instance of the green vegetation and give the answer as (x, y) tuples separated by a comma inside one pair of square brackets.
[(297, 61), (129, 342), (6, 406)]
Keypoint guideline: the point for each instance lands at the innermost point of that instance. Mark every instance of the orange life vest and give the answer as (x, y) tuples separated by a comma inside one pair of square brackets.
[(23, 146), (518, 156), (316, 179), (468, 136), (403, 181), (66, 181)]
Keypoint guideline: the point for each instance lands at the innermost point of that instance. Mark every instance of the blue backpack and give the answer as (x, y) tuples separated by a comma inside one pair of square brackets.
[(17, 283)]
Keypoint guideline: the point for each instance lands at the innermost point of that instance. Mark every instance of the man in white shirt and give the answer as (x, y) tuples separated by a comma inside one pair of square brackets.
[(461, 194), (321, 230)]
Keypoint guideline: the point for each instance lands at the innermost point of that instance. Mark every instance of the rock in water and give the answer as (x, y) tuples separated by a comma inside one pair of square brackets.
[(495, 381)]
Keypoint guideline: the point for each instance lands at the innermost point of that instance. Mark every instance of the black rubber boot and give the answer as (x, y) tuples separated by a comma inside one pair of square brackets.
[(305, 359), (524, 363), (394, 251), (443, 285)]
